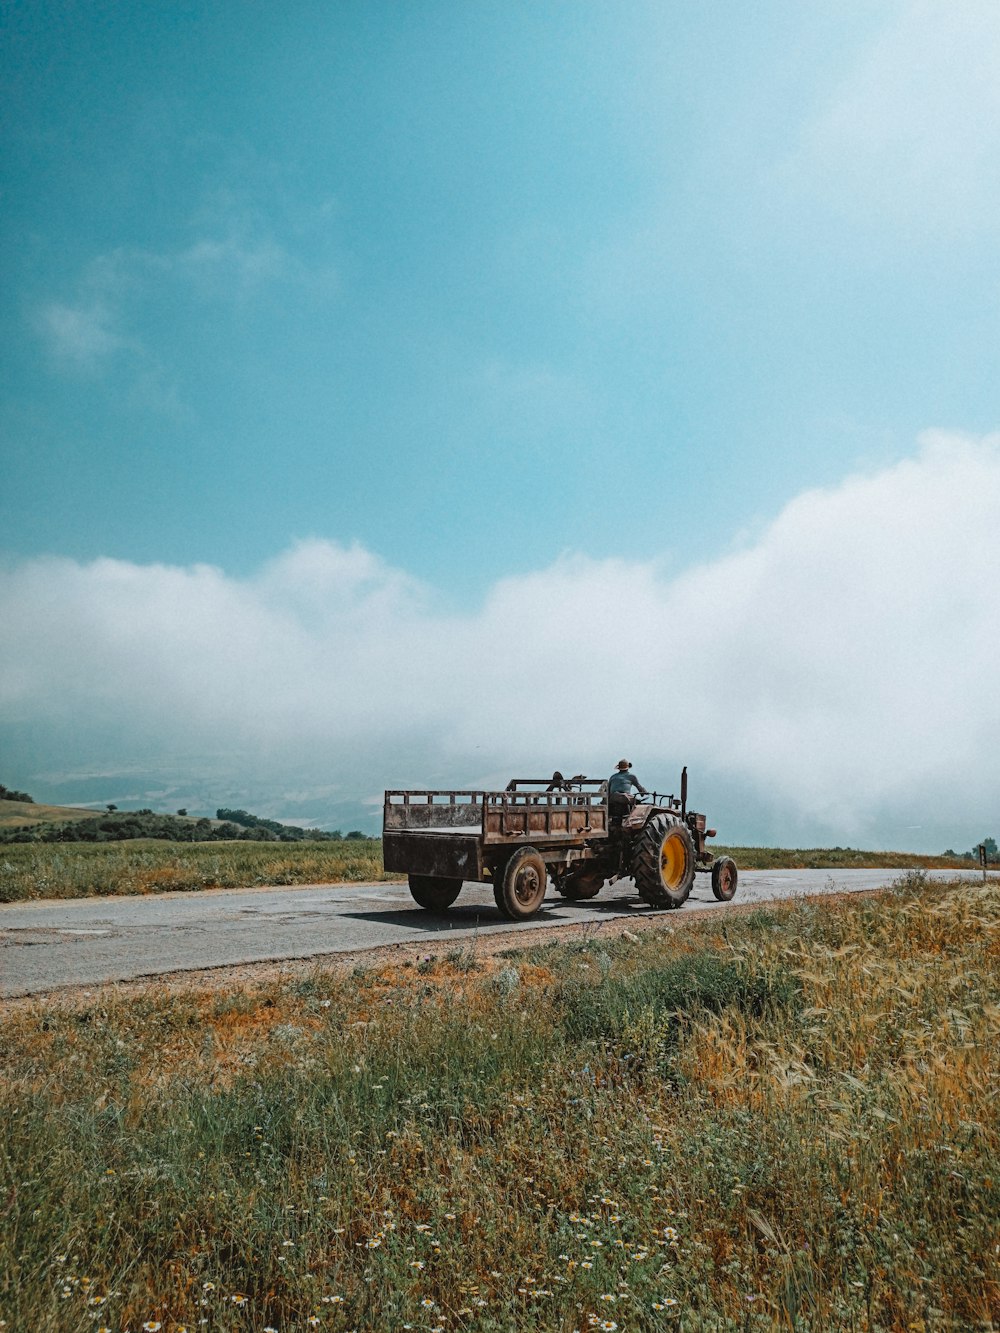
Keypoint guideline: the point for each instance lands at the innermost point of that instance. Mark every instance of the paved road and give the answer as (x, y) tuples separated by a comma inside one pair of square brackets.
[(47, 945)]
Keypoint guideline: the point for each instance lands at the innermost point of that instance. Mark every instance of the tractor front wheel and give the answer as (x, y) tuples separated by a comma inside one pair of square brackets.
[(663, 862), (724, 877), (434, 893), (520, 890)]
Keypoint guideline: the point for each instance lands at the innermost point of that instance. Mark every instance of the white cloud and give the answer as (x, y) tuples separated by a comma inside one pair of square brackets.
[(240, 262), (912, 134), (836, 677), (115, 292), (82, 336)]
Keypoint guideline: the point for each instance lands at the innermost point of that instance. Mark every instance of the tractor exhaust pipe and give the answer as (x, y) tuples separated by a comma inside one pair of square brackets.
[(684, 792)]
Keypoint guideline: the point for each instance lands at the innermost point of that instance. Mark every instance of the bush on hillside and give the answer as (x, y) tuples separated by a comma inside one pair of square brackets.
[(7, 794), (267, 829)]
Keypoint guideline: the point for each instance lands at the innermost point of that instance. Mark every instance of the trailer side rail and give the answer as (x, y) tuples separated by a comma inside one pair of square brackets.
[(525, 810)]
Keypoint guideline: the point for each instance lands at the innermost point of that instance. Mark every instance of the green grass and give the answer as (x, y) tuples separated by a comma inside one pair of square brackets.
[(836, 858), (146, 865), (784, 1119)]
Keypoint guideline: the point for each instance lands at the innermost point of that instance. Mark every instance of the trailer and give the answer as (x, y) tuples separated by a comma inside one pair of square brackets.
[(535, 829)]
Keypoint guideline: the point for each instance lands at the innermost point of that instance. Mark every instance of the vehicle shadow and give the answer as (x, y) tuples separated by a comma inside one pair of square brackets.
[(431, 923), (482, 915)]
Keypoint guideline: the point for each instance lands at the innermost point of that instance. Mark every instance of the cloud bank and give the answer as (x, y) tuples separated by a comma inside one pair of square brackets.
[(834, 680)]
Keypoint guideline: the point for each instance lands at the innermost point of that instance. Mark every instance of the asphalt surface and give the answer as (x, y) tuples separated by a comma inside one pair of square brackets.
[(48, 945)]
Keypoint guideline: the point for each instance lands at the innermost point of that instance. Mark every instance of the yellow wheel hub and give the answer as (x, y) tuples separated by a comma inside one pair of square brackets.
[(672, 862)]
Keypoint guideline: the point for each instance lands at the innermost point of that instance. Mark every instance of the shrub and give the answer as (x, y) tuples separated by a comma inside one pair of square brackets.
[(6, 794), (702, 982)]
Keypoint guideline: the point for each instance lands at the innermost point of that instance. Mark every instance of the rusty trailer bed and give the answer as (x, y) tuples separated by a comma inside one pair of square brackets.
[(461, 834)]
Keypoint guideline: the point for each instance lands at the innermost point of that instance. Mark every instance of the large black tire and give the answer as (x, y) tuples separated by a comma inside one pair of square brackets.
[(663, 862), (580, 883), (724, 877), (435, 893), (520, 890)]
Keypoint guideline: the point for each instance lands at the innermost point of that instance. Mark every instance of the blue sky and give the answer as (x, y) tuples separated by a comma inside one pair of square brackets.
[(473, 290)]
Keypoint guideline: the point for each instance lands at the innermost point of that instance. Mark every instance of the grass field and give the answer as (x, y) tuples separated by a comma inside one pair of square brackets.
[(148, 865), (837, 858), (79, 870), (783, 1119)]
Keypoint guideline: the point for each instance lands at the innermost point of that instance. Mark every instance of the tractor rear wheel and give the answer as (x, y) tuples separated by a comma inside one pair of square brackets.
[(663, 862), (724, 877), (520, 890), (580, 883), (435, 893)]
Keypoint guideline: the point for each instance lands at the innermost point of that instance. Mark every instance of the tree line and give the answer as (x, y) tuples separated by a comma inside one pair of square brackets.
[(267, 830), (992, 853), (120, 825)]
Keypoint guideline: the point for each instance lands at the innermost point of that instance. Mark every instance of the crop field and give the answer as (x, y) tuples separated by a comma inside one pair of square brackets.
[(784, 1119), (148, 865)]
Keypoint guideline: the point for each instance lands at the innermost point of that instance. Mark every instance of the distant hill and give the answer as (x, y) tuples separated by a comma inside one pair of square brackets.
[(13, 814)]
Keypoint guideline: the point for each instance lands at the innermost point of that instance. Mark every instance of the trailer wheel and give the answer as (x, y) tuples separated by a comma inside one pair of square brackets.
[(578, 885), (663, 862), (724, 877), (435, 893), (520, 891)]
